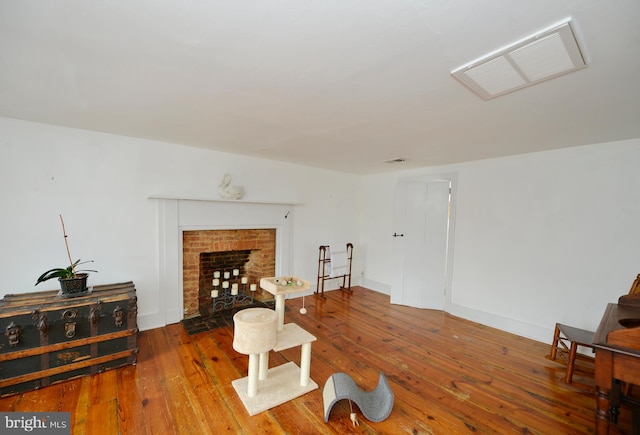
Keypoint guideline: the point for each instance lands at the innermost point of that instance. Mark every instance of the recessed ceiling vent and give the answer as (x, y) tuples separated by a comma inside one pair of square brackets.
[(549, 53)]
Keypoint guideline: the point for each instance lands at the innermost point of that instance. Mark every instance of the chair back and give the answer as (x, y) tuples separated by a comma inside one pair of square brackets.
[(635, 287)]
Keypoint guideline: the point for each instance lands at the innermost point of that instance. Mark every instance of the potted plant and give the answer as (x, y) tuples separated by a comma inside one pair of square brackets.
[(73, 281)]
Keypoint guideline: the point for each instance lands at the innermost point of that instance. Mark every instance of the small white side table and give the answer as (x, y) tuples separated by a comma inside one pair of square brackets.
[(287, 381), (291, 336), (274, 286), (255, 334)]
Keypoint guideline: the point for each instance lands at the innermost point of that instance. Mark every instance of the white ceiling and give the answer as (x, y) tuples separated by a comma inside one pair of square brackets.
[(338, 84)]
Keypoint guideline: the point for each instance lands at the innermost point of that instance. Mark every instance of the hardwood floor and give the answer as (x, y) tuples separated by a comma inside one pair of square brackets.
[(448, 376)]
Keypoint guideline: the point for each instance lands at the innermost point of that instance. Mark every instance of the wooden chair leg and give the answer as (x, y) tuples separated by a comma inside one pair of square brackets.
[(554, 345), (571, 363)]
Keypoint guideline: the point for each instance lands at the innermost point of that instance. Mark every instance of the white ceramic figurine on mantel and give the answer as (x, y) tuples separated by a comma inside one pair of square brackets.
[(227, 191)]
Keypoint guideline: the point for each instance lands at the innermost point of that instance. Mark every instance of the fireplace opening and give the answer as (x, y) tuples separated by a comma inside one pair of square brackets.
[(222, 265), (251, 251)]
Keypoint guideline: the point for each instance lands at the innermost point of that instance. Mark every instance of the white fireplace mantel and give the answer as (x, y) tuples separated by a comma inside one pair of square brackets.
[(178, 214), (234, 201)]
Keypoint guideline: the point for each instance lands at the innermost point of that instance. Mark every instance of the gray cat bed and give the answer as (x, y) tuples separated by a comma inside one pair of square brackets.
[(375, 405)]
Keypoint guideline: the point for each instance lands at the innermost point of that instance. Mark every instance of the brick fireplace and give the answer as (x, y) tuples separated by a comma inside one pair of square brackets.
[(252, 251), (177, 216)]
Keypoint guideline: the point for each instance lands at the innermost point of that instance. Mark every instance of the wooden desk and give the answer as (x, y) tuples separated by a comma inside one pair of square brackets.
[(617, 347)]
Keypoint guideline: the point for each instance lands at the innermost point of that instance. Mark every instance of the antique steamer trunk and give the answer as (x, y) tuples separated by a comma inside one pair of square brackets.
[(46, 338)]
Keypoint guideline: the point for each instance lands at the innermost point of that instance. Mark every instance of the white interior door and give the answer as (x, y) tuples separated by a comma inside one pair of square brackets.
[(420, 247)]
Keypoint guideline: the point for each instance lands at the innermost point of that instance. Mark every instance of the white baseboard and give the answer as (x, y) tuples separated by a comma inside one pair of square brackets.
[(376, 286), (152, 321), (514, 326), (523, 329)]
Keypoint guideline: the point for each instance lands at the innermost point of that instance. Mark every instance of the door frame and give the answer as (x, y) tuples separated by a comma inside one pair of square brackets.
[(452, 178)]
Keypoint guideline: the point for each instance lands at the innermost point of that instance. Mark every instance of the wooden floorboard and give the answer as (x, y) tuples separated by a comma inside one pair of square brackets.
[(448, 375)]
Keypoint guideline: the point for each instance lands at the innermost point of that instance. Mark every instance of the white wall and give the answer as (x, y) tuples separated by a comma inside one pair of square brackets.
[(100, 183), (539, 238)]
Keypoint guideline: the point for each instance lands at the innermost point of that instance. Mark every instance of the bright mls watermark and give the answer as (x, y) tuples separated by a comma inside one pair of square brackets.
[(41, 423)]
